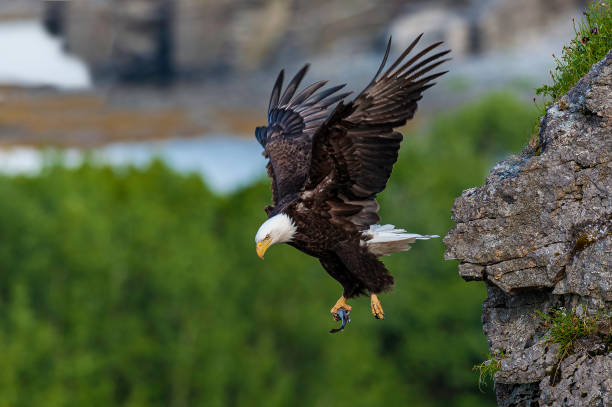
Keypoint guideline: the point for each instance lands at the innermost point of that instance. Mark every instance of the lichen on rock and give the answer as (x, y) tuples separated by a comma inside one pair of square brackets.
[(539, 233)]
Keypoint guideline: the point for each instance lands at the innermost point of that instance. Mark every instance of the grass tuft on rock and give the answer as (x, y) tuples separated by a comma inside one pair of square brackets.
[(592, 41), (566, 327), (488, 368)]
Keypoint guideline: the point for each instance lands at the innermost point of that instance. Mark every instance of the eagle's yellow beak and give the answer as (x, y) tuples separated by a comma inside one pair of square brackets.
[(263, 246)]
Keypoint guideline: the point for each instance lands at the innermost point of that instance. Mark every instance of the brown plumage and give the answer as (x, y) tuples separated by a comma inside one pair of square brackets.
[(328, 163)]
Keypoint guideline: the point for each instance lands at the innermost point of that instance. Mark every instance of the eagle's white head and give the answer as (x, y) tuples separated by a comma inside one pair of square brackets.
[(278, 229)]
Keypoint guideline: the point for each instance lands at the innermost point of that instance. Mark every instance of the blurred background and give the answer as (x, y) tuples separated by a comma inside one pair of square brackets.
[(131, 188)]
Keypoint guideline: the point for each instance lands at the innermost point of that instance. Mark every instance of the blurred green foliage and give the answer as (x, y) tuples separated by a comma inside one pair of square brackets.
[(140, 287)]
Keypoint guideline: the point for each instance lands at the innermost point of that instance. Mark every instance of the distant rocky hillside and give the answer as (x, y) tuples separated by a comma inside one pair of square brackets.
[(164, 38), (21, 9), (217, 60), (539, 234)]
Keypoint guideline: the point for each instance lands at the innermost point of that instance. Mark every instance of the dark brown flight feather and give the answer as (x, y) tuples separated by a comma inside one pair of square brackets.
[(292, 120), (357, 145)]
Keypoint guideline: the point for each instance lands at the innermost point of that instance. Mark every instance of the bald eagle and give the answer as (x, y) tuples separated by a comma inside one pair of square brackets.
[(328, 159)]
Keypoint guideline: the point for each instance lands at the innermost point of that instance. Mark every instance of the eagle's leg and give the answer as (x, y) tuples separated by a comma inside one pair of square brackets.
[(377, 309), (341, 303)]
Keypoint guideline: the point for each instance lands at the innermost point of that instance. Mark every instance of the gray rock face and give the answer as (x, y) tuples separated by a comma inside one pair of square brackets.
[(539, 233)]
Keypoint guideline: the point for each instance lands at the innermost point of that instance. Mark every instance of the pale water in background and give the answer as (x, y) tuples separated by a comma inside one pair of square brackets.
[(225, 162)]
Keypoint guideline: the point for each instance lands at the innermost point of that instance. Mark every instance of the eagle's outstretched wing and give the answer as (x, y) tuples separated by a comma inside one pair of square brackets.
[(354, 150), (287, 140)]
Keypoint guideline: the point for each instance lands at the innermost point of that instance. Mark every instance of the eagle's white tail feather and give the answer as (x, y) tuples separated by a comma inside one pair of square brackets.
[(383, 240)]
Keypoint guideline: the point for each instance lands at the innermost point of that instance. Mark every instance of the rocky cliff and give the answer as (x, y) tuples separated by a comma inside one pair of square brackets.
[(539, 234)]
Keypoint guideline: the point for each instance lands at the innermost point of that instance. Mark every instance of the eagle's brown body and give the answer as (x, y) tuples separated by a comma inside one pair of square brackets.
[(327, 165), (337, 248)]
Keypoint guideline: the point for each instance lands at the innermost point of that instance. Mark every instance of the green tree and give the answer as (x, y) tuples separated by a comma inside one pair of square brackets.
[(140, 287)]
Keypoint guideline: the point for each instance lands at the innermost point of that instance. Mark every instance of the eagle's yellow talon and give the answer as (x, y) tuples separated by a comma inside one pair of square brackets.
[(341, 303), (377, 309)]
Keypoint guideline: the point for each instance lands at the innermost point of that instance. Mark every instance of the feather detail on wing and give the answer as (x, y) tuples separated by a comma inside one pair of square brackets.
[(357, 145), (293, 117)]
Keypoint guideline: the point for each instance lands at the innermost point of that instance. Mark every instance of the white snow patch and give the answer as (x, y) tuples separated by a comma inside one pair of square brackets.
[(31, 57)]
